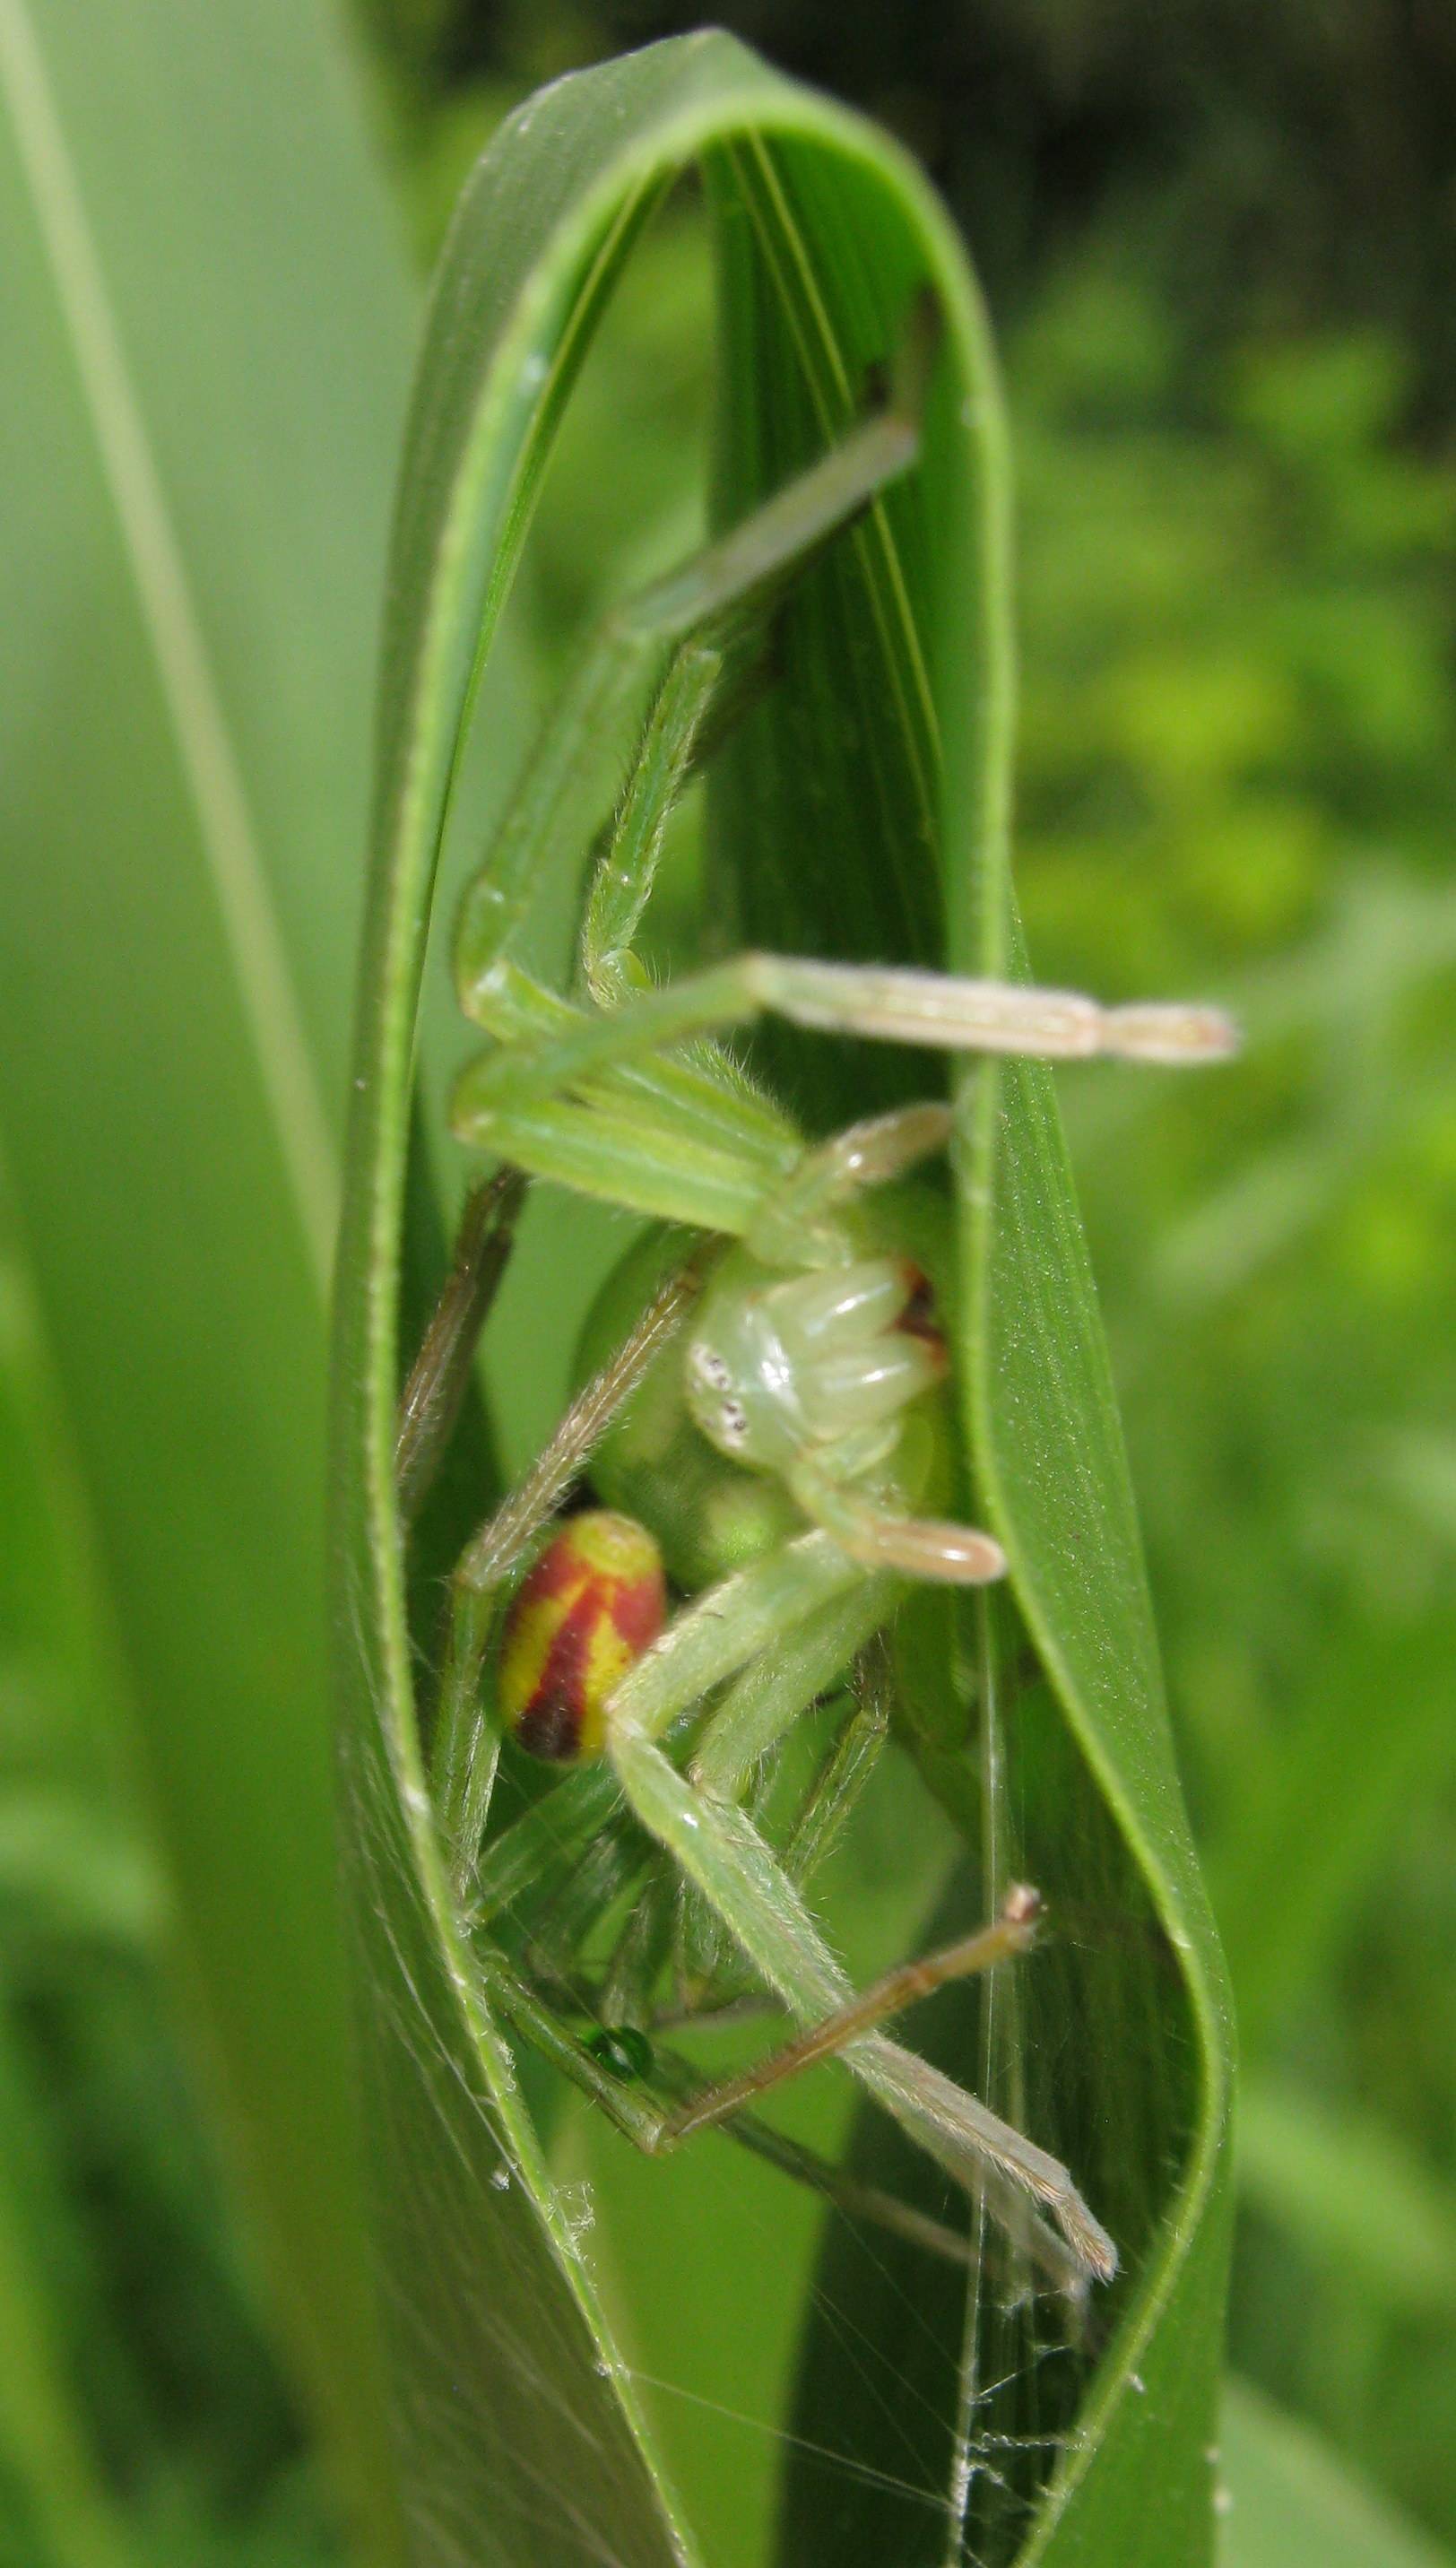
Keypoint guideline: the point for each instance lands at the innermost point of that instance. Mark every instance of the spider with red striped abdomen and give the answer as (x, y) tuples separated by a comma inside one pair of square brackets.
[(762, 1421)]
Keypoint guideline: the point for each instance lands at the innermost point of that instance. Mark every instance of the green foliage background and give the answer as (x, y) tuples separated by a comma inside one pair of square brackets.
[(1211, 253)]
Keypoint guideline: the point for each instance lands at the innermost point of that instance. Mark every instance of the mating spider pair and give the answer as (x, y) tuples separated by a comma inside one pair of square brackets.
[(766, 1427)]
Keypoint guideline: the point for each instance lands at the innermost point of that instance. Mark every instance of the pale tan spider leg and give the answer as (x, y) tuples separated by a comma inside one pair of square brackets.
[(466, 1742), (431, 1401), (919, 1547), (718, 1849), (1012, 1933), (788, 1230)]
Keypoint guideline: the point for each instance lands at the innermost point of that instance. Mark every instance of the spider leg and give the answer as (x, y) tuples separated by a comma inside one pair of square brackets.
[(852, 1760), (946, 1014), (641, 1949), (635, 1153), (711, 1639), (622, 883), (894, 1006), (552, 812), (466, 1742), (549, 1927), (786, 1229), (721, 1851), (770, 1695), (644, 2116), (764, 1703), (920, 1547), (431, 1401), (1011, 1934)]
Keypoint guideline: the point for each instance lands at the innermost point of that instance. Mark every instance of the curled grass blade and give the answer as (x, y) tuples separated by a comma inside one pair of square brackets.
[(515, 2414), (916, 638)]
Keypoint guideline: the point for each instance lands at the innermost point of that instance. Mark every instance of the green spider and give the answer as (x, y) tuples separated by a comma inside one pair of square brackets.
[(767, 1405)]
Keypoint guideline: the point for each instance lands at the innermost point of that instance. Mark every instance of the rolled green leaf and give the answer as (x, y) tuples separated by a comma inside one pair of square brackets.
[(862, 813)]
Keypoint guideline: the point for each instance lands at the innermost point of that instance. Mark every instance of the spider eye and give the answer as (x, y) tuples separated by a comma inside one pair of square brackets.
[(732, 1419), (711, 1369)]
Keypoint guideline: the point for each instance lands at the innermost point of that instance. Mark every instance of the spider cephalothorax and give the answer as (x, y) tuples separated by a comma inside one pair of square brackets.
[(779, 1368)]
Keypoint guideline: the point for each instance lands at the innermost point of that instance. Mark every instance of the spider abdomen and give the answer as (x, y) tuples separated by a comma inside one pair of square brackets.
[(594, 1602)]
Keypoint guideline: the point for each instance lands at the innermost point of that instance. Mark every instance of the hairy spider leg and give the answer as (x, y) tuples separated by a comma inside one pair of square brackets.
[(883, 1003), (719, 1848), (564, 1881), (537, 1098), (849, 1762), (755, 1716), (467, 1745), (1011, 1934), (643, 2117), (699, 1120), (549, 1929), (714, 1844), (552, 813), (622, 883), (795, 1225), (430, 1401)]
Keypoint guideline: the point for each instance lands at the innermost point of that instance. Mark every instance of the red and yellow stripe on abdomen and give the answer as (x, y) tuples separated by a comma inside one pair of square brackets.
[(594, 1602)]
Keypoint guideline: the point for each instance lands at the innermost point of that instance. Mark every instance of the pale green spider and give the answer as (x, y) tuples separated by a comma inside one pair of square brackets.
[(781, 1462)]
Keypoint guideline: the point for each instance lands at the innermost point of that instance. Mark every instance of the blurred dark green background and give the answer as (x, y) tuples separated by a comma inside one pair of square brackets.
[(1218, 242)]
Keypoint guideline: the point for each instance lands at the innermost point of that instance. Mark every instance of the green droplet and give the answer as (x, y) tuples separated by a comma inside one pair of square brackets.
[(623, 2049)]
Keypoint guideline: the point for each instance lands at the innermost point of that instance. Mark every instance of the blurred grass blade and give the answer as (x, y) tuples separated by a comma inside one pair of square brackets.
[(1288, 1890), (1290, 2502), (892, 716), (65, 1858), (1352, 2195), (66, 1865), (201, 271), (50, 2484)]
